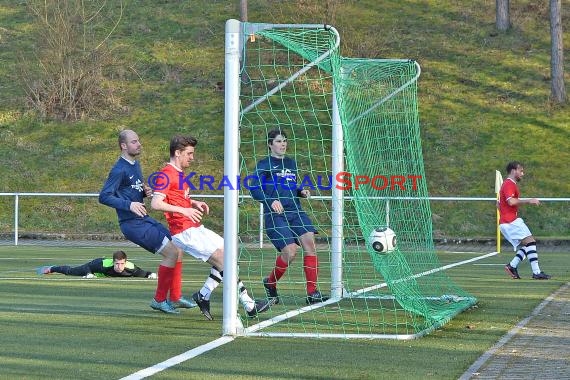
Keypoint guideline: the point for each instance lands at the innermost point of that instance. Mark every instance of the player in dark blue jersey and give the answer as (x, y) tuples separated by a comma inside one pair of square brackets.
[(124, 190), (286, 224)]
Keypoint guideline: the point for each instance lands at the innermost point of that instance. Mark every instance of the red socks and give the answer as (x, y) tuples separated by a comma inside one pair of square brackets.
[(165, 275), (311, 268), (279, 270), (176, 286)]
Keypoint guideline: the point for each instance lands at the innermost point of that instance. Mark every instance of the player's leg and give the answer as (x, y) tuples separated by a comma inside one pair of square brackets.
[(511, 233), (155, 238), (203, 245), (216, 276), (206, 245), (81, 270), (303, 227), (311, 268), (286, 255), (46, 269), (529, 247), (310, 261), (176, 297), (169, 253), (517, 232), (202, 296), (284, 240), (511, 267)]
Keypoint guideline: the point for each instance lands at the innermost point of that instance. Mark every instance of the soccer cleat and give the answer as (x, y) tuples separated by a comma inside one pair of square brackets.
[(203, 304), (260, 307), (316, 297), (183, 303), (540, 276), (43, 270), (164, 306), (512, 271), (271, 291)]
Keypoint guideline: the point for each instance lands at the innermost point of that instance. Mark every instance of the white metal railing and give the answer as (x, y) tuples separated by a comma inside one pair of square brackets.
[(220, 196), (68, 195)]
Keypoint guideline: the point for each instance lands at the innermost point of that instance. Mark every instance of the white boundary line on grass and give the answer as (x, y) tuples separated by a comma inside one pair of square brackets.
[(143, 373), (472, 371), (382, 285), (149, 371)]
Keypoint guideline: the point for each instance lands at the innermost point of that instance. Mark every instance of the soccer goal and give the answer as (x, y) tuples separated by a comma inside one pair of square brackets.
[(353, 128)]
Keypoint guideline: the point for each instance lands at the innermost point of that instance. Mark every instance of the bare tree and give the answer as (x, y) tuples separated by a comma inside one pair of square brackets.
[(558, 91), (503, 21), (243, 10), (67, 79)]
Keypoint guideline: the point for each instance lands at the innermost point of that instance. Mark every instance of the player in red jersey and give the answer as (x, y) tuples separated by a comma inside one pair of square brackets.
[(513, 227), (184, 217)]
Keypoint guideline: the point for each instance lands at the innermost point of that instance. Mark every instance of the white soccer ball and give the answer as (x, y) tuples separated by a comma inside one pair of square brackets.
[(382, 239)]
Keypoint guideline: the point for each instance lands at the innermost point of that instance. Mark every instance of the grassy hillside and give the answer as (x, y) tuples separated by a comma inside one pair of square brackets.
[(483, 97)]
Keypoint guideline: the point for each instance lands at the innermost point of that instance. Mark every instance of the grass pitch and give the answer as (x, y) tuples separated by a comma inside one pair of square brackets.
[(58, 326)]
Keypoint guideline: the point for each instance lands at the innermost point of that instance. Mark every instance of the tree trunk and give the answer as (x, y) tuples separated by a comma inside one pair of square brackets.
[(243, 10), (243, 18), (558, 91), (502, 15)]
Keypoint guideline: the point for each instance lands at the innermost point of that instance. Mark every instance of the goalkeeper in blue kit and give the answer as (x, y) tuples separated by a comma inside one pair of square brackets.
[(286, 223)]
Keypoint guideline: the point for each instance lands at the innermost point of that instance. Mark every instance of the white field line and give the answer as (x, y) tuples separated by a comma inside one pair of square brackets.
[(472, 371), (143, 373), (382, 285), (223, 340)]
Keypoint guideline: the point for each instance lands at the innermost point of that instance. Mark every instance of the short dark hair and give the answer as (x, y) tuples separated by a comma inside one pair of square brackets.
[(513, 165), (119, 255), (123, 137), (272, 134), (180, 142)]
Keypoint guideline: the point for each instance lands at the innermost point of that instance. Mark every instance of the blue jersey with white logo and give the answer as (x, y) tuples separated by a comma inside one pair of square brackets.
[(276, 179), (123, 186)]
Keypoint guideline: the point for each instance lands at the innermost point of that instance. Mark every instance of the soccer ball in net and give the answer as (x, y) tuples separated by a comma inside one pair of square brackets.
[(382, 240)]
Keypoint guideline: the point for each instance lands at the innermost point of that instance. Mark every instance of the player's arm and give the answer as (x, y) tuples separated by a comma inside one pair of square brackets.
[(97, 267), (108, 194), (159, 203), (259, 188), (302, 193), (200, 205), (147, 191), (517, 201), (266, 193), (135, 271)]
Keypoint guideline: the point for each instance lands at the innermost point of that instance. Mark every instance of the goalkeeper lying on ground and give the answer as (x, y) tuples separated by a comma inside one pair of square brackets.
[(118, 266)]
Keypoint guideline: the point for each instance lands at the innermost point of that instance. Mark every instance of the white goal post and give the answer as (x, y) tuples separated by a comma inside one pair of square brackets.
[(234, 37)]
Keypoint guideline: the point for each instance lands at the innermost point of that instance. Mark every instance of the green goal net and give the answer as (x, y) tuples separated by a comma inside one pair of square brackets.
[(353, 129)]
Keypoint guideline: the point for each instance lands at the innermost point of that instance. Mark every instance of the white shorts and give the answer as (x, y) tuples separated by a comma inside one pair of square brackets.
[(515, 231), (198, 242)]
